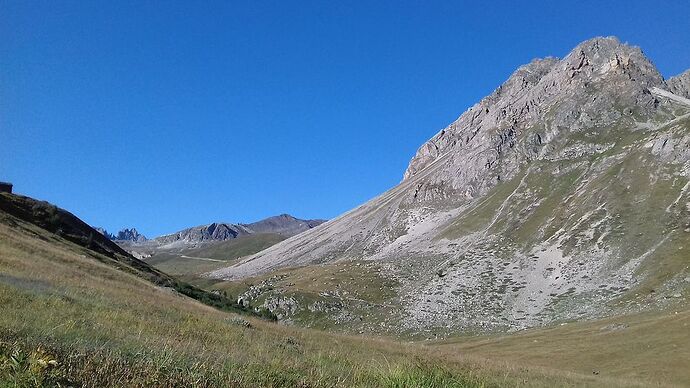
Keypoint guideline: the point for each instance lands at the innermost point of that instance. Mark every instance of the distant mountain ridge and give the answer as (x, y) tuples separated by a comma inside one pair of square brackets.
[(284, 225), (217, 231)]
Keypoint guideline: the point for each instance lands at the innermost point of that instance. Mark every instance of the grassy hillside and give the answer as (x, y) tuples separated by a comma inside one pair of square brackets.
[(234, 249), (346, 297), (189, 262), (59, 225), (69, 317), (644, 347), (74, 316)]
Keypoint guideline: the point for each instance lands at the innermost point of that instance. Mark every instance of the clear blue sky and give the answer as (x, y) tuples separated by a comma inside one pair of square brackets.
[(163, 115)]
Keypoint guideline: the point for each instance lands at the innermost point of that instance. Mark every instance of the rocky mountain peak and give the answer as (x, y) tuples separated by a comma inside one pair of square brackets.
[(130, 235), (601, 81), (123, 235), (216, 231), (606, 54), (609, 60), (283, 224), (562, 191)]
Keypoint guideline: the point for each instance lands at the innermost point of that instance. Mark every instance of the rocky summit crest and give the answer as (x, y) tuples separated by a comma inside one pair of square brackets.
[(584, 90)]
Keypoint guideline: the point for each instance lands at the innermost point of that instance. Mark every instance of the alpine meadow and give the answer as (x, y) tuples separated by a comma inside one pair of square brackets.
[(540, 239)]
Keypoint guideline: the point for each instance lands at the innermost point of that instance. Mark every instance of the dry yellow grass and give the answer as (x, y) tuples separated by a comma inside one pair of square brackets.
[(649, 349), (103, 326), (107, 326)]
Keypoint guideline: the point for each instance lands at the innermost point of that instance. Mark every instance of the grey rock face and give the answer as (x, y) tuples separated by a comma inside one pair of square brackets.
[(489, 142), (283, 224), (680, 84), (554, 196), (214, 231)]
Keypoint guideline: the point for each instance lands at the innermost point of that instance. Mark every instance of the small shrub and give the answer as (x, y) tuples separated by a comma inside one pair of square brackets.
[(19, 367), (267, 314)]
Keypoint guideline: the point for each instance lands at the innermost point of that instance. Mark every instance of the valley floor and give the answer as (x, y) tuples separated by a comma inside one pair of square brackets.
[(69, 319)]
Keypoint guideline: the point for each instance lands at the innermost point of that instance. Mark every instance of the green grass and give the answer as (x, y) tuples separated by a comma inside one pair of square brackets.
[(358, 279), (72, 318), (480, 215), (359, 287), (227, 252), (106, 327), (646, 348), (237, 247), (176, 265), (52, 224)]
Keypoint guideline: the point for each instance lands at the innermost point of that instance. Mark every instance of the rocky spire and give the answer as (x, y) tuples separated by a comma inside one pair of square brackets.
[(130, 235)]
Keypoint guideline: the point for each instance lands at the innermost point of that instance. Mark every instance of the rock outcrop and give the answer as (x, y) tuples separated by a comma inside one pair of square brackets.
[(680, 84)]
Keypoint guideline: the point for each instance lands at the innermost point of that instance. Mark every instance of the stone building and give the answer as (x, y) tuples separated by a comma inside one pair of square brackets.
[(5, 187)]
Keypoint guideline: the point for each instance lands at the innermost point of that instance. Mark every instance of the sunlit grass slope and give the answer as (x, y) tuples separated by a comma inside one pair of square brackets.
[(190, 262), (71, 316)]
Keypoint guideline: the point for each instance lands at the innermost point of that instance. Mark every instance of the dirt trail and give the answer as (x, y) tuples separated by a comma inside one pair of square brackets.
[(202, 258)]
